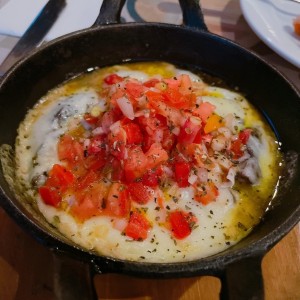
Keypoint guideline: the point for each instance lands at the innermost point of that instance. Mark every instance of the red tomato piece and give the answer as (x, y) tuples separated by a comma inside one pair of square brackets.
[(133, 133), (69, 150), (204, 111), (118, 201), (50, 195), (156, 155), (59, 180), (244, 135), (136, 163), (97, 145), (209, 194), (134, 89), (179, 92), (89, 202), (117, 143), (139, 192), (138, 226), (61, 176), (174, 98), (117, 171), (182, 173), (189, 131), (154, 97), (151, 82), (236, 148), (90, 119), (113, 79), (151, 177), (179, 224), (90, 177), (185, 84)]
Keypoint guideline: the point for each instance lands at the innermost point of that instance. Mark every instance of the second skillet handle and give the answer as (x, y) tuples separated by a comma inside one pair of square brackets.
[(110, 13), (192, 14), (242, 280), (73, 279)]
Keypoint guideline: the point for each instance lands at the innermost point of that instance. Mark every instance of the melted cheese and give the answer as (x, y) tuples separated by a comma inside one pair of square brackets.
[(219, 222)]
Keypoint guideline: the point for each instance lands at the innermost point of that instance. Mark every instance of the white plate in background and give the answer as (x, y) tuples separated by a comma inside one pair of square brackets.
[(272, 21)]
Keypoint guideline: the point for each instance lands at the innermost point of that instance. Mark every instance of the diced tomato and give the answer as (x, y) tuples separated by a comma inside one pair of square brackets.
[(179, 224), (236, 148), (113, 79), (154, 97), (182, 172), (178, 93), (117, 143), (169, 140), (95, 162), (139, 192), (136, 163), (175, 99), (198, 138), (209, 194), (152, 123), (59, 176), (151, 82), (133, 133), (244, 135), (90, 119), (155, 130), (204, 111), (151, 177), (69, 150), (185, 84), (89, 202), (59, 180), (90, 177), (189, 130), (156, 155), (50, 195), (97, 144), (118, 201), (213, 123), (296, 24), (138, 226), (134, 90), (117, 171)]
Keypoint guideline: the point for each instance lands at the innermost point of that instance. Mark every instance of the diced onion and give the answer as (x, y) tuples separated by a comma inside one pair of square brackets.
[(231, 176), (192, 179), (115, 127), (86, 143), (202, 174), (120, 224), (126, 107), (85, 124), (176, 130), (98, 131)]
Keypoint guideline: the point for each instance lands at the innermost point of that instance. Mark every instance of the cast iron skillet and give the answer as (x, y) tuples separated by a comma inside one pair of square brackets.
[(108, 42)]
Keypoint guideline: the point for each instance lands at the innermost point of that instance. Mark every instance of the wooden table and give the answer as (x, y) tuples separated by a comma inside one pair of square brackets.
[(26, 266)]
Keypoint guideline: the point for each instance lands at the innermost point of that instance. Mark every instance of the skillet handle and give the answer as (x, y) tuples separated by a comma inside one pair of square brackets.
[(243, 280), (73, 279), (110, 12), (192, 14)]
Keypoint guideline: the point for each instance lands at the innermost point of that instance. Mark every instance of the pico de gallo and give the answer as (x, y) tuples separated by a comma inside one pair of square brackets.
[(152, 132)]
